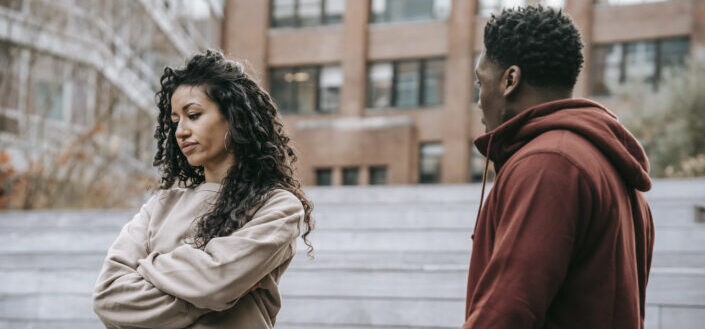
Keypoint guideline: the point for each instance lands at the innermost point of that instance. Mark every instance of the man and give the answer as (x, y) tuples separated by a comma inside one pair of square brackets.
[(564, 239)]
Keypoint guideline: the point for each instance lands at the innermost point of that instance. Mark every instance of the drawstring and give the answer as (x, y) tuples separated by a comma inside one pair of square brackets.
[(484, 181)]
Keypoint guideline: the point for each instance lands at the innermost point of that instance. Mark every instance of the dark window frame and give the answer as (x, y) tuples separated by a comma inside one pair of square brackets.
[(294, 90), (420, 87), (438, 179), (371, 169), (356, 171), (386, 16), (658, 59), (323, 19), (329, 170)]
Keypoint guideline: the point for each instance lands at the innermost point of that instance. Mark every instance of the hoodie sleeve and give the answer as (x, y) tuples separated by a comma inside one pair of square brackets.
[(214, 278), (121, 296), (539, 206)]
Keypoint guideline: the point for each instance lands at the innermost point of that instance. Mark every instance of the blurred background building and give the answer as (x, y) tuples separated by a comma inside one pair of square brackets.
[(373, 92), (381, 91), (77, 85)]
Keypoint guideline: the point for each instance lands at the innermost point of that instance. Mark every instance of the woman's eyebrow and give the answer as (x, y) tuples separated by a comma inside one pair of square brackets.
[(189, 104), (184, 108)]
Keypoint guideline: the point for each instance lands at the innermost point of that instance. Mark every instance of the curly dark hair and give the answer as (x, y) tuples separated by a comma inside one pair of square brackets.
[(264, 159), (542, 42)]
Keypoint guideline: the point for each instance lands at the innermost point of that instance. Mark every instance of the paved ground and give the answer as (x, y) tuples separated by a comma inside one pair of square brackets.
[(386, 257)]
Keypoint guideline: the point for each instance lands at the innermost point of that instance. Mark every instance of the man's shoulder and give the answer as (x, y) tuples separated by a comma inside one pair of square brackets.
[(566, 144)]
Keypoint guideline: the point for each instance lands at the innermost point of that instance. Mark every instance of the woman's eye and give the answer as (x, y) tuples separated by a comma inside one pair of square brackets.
[(194, 116)]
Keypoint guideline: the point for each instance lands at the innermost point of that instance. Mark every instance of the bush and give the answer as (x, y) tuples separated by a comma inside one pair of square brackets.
[(670, 122)]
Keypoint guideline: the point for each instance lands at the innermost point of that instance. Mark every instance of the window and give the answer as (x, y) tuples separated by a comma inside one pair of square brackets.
[(409, 10), (477, 164), (303, 13), (333, 11), (9, 75), (434, 84), (48, 98), (642, 61), (553, 3), (485, 8), (378, 175), (350, 176), (488, 7), (406, 84), (626, 2), (11, 4), (9, 124), (379, 84), (430, 155), (639, 60), (306, 90), (329, 96), (324, 177), (672, 55)]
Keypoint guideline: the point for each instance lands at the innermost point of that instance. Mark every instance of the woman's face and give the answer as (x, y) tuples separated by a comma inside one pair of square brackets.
[(200, 128)]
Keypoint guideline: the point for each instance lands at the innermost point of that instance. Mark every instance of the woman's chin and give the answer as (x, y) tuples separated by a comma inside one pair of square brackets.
[(194, 162)]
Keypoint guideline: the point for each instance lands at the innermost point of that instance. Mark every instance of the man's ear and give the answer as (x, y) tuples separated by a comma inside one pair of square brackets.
[(510, 80)]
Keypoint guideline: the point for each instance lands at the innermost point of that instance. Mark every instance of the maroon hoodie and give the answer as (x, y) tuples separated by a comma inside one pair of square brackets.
[(565, 238)]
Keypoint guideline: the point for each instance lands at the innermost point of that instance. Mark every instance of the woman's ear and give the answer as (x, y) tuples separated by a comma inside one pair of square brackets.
[(510, 80)]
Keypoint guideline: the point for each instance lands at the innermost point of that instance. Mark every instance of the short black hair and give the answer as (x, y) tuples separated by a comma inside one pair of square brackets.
[(542, 42)]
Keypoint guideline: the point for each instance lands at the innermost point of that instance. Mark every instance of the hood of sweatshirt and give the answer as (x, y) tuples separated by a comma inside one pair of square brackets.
[(584, 117)]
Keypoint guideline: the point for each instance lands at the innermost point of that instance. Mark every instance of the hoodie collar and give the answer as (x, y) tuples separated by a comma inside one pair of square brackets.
[(584, 117)]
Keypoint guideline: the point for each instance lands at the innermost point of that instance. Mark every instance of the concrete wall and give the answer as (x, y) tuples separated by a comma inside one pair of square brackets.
[(386, 257)]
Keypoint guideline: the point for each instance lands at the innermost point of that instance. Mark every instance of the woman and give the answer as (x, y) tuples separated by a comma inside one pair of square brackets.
[(209, 252)]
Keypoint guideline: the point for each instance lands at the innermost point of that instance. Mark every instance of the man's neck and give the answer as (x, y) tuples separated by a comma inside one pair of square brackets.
[(535, 97)]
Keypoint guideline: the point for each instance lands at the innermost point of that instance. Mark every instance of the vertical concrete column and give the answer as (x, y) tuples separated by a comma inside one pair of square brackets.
[(337, 176), (354, 61), (364, 176), (23, 92), (698, 33), (246, 34), (458, 90), (582, 12)]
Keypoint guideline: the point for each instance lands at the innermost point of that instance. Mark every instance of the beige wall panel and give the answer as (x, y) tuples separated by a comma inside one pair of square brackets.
[(245, 26), (412, 40), (637, 22), (428, 122), (392, 147), (479, 43), (288, 47), (698, 38)]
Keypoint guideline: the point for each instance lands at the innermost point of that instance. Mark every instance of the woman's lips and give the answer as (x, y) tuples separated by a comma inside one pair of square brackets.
[(188, 148)]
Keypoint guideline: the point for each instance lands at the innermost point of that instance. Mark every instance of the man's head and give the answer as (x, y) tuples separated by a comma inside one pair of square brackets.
[(532, 55)]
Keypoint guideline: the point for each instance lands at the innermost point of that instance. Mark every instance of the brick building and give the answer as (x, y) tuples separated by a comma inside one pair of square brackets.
[(381, 91)]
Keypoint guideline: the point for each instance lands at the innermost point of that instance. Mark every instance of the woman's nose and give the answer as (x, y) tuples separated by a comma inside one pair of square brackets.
[(181, 131)]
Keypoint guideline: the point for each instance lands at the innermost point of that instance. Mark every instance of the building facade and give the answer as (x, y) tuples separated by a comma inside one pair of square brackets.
[(77, 86), (381, 91)]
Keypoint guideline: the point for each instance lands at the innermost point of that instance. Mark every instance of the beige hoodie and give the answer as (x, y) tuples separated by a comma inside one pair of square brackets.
[(152, 278)]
